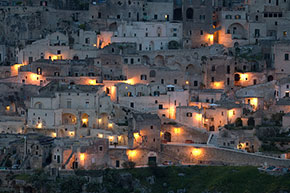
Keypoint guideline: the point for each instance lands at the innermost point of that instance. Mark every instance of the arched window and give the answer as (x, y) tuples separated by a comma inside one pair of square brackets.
[(39, 71), (152, 74), (189, 13)]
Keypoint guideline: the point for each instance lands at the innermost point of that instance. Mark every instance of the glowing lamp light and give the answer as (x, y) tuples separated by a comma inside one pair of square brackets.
[(110, 125), (244, 77), (82, 156), (85, 120), (161, 133), (53, 134), (198, 117), (187, 82), (100, 135), (39, 125), (111, 138), (7, 108), (129, 81), (92, 82), (132, 153), (33, 76), (196, 152), (71, 133), (177, 130), (210, 37), (136, 135)]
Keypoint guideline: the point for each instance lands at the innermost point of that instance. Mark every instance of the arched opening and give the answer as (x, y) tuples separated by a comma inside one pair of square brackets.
[(38, 105), (167, 137), (191, 69), (39, 71), (146, 60), (251, 121), (75, 57), (173, 45), (69, 119), (159, 60), (270, 78), (151, 45), (177, 14), (237, 30), (237, 77), (152, 74), (189, 13), (113, 26), (85, 120)]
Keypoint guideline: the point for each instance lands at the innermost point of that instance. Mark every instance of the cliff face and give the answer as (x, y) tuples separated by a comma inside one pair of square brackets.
[(194, 179)]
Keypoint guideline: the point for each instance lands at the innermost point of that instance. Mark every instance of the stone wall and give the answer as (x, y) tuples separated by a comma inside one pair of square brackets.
[(197, 154)]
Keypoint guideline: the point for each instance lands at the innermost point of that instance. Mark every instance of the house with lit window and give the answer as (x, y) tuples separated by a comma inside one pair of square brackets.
[(69, 110)]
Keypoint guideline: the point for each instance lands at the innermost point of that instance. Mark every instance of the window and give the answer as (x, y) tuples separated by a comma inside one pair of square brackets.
[(39, 71), (155, 16), (228, 17), (160, 106), (286, 56), (68, 104), (132, 105), (201, 32), (143, 77), (175, 81), (189, 114), (284, 33), (212, 79), (213, 68), (162, 81), (100, 148), (195, 83), (58, 51), (237, 17)]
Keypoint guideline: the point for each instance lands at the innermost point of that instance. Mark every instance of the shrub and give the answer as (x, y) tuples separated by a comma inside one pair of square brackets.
[(128, 164)]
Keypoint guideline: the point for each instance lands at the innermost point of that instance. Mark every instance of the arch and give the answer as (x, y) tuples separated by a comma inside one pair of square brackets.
[(175, 66), (113, 26), (237, 77), (146, 60), (152, 74), (75, 57), (251, 121), (69, 119), (151, 46), (237, 30), (173, 45), (177, 14), (270, 78), (192, 69), (38, 105), (167, 137), (195, 56), (159, 60), (39, 71), (85, 120), (189, 13)]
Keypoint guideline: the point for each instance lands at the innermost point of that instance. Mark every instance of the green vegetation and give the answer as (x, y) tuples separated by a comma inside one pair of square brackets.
[(194, 179)]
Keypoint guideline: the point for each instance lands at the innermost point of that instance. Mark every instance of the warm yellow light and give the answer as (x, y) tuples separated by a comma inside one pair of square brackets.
[(100, 135), (71, 133), (82, 156), (172, 113), (15, 69), (33, 76), (110, 125), (54, 57), (241, 146), (95, 45), (210, 37), (187, 82), (119, 138), (254, 102), (177, 130), (161, 133), (92, 82), (136, 135), (7, 108), (111, 138), (85, 120), (39, 125), (244, 77), (131, 153), (196, 152), (100, 121), (53, 134), (130, 81), (198, 117), (231, 113)]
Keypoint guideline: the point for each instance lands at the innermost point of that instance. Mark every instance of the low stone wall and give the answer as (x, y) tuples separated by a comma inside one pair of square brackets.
[(197, 154)]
